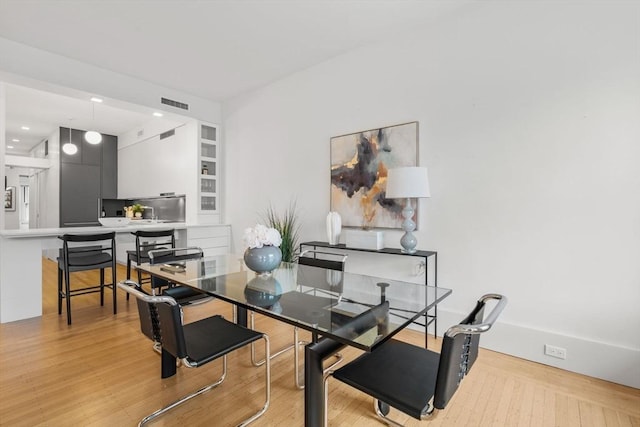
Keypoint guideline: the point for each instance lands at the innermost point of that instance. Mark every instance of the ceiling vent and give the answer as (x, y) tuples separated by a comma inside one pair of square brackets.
[(176, 104), (167, 134)]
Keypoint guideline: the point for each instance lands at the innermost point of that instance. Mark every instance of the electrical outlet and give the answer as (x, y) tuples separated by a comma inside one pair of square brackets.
[(553, 351)]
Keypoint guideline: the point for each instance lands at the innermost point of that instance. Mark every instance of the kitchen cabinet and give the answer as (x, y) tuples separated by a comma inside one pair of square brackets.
[(91, 154), (109, 185), (213, 240), (79, 193), (85, 177)]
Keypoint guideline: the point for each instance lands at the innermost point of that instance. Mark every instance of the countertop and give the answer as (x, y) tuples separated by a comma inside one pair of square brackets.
[(47, 232)]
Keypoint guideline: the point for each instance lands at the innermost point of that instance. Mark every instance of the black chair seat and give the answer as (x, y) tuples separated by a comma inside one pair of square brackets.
[(410, 388), (96, 260), (185, 295), (213, 337)]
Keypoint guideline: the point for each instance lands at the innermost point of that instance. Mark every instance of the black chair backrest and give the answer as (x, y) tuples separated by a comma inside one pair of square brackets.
[(161, 239), (71, 252), (164, 256), (460, 349), (160, 319), (171, 255), (323, 259), (148, 314), (375, 317), (171, 330), (318, 278)]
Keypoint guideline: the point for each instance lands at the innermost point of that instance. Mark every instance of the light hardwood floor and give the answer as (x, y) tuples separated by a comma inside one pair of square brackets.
[(101, 371)]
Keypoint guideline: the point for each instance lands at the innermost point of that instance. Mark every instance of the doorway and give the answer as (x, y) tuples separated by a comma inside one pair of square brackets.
[(23, 202)]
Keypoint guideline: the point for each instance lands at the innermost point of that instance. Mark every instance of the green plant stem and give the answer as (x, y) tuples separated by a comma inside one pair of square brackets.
[(288, 226)]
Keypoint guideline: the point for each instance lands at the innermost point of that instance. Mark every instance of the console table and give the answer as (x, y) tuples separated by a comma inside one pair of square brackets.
[(429, 318)]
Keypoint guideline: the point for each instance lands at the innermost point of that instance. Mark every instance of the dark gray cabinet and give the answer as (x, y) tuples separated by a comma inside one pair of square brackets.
[(79, 195), (86, 177), (109, 167), (91, 154)]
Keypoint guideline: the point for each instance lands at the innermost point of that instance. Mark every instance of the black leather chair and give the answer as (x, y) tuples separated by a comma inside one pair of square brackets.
[(326, 282), (148, 240), (413, 379), (194, 344), (78, 255), (184, 295), (330, 284)]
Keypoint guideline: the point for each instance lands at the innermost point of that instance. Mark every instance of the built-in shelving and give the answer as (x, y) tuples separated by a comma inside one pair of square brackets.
[(208, 156)]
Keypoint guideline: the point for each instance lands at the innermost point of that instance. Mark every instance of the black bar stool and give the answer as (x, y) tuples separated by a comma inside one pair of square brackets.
[(162, 239), (77, 255)]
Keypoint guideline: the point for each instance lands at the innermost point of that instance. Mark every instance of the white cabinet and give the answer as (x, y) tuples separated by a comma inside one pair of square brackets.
[(214, 240), (209, 176), (159, 164)]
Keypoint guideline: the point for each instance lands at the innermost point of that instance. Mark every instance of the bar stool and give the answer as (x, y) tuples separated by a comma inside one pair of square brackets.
[(162, 239), (76, 255), (184, 295)]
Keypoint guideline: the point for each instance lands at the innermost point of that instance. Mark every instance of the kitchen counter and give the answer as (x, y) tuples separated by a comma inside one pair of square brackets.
[(47, 232), (21, 253)]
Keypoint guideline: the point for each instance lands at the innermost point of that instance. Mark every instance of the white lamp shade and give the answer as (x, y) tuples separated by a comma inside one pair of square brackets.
[(407, 182), (70, 148), (92, 137)]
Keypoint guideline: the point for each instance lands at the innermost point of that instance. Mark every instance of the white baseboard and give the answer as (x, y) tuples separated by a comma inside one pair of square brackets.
[(595, 359)]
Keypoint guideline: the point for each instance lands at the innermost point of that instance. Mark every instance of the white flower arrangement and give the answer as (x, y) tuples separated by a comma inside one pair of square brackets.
[(261, 235)]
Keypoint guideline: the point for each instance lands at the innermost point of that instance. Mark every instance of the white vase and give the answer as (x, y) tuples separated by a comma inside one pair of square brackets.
[(334, 226)]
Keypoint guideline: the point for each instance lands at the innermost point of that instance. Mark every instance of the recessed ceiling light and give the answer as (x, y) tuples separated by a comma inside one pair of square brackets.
[(25, 128), (96, 99), (9, 146), (157, 114), (15, 140)]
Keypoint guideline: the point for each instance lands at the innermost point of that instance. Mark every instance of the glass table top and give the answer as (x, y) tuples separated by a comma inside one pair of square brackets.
[(358, 310)]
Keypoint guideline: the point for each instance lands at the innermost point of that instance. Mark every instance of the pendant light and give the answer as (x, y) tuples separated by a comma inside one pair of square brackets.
[(69, 147), (93, 137)]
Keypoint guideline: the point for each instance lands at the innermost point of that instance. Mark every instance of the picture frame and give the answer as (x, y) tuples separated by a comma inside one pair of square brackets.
[(10, 199), (359, 165)]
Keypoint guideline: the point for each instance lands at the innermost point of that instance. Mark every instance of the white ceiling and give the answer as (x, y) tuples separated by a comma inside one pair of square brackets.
[(214, 49), (43, 112)]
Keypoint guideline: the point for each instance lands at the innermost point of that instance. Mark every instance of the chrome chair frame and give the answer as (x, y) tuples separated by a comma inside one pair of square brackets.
[(444, 389), (134, 289)]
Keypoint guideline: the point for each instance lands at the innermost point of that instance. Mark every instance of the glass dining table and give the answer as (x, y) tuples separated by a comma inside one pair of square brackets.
[(339, 308)]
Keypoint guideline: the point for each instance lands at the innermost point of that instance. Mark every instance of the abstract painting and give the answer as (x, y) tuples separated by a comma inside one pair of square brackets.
[(359, 164)]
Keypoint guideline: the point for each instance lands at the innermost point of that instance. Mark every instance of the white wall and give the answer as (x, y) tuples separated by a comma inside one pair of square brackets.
[(44, 209), (529, 126)]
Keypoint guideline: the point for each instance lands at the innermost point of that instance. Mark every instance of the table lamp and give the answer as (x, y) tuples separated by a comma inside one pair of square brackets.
[(407, 183)]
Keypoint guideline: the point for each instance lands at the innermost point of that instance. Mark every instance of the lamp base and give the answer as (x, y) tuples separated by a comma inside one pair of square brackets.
[(408, 240)]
